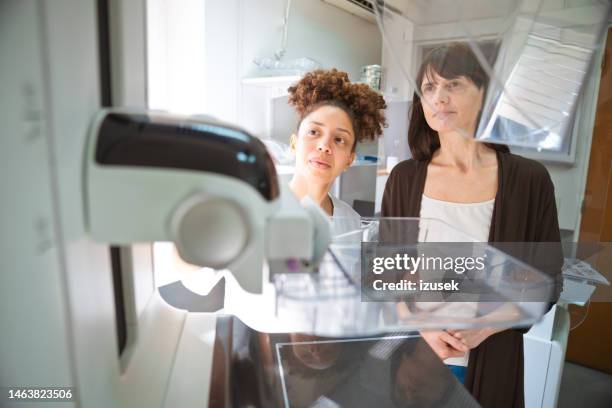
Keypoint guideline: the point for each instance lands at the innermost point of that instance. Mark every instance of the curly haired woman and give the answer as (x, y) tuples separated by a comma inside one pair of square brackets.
[(334, 115)]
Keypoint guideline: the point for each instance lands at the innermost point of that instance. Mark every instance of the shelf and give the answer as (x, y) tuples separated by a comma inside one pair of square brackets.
[(271, 80)]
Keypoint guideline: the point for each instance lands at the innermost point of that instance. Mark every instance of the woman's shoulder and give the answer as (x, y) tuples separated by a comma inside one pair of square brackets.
[(408, 167), (523, 170), (405, 182), (342, 209), (525, 166)]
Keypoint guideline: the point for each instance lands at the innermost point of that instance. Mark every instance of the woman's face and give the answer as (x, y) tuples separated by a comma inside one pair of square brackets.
[(451, 104), (324, 144)]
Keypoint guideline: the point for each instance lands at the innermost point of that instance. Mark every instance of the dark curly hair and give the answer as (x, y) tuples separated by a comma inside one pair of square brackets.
[(362, 104)]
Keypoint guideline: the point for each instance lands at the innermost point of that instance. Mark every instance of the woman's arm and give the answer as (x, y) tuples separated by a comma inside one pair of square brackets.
[(550, 255)]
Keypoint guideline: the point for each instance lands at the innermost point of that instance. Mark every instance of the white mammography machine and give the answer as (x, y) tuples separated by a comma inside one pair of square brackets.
[(221, 205), (88, 190), (223, 208)]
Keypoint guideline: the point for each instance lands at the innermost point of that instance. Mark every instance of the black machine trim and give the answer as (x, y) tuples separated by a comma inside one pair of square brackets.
[(149, 140)]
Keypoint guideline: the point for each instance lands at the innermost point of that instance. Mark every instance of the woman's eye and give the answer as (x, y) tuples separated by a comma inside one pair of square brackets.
[(340, 140), (427, 88), (312, 132)]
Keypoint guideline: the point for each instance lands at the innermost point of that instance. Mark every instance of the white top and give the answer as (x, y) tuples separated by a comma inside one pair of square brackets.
[(344, 218), (472, 219), (342, 209)]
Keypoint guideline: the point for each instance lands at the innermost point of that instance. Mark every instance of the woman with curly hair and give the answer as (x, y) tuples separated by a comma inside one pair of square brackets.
[(334, 115)]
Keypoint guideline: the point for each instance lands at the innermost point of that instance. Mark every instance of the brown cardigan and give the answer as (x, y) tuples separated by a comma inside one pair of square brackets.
[(524, 211)]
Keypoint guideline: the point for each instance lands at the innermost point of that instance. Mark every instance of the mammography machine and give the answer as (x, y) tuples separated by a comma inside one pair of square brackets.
[(282, 288), (89, 189)]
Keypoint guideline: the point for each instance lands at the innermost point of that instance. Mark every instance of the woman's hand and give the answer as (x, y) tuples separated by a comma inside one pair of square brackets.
[(444, 344), (473, 337)]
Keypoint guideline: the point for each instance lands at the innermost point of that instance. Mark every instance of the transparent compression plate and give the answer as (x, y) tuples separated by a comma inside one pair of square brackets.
[(532, 56), (337, 300)]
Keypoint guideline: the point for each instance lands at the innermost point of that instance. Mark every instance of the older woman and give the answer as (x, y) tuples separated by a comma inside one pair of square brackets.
[(481, 189)]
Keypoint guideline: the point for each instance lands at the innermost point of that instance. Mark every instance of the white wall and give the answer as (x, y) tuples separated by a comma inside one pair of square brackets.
[(238, 31), (398, 58), (176, 56), (320, 31), (223, 64)]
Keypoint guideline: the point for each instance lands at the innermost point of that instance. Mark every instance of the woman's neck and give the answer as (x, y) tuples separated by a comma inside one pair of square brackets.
[(318, 192), (462, 152)]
